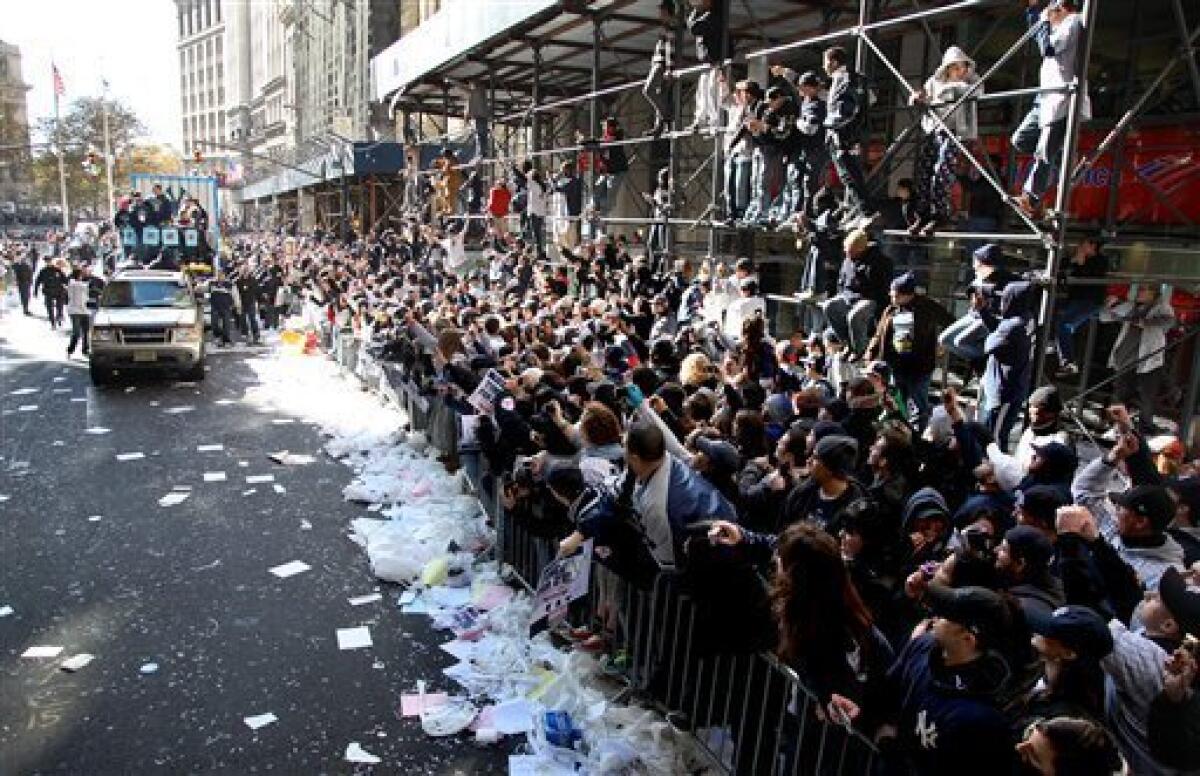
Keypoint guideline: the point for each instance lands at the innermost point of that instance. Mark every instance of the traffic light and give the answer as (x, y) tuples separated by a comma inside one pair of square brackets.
[(197, 156)]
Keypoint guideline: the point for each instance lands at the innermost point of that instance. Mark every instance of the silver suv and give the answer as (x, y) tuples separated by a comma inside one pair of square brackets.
[(147, 320)]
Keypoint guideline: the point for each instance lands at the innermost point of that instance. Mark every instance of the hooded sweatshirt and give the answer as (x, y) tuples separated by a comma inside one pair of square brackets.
[(1006, 379), (949, 720)]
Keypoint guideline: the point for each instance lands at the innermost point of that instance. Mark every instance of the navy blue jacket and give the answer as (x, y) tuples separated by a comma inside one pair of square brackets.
[(948, 721)]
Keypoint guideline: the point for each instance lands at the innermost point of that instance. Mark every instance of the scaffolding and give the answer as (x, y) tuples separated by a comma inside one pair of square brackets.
[(531, 123)]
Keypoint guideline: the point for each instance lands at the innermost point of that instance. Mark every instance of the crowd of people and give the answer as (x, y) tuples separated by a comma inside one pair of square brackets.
[(952, 573)]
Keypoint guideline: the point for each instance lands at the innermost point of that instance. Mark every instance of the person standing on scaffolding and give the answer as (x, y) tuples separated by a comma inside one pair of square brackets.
[(808, 156), (658, 242), (706, 22), (845, 117), (772, 135), (657, 89), (1044, 129), (938, 152), (739, 152)]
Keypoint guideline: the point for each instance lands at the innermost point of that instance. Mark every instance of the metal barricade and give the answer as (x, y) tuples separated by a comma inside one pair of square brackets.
[(748, 711)]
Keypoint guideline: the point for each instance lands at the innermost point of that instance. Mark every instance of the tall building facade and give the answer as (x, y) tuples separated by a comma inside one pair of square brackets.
[(260, 110), (202, 84), (14, 127)]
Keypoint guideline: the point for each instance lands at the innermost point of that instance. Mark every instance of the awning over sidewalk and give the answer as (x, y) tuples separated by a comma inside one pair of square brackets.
[(453, 32), (367, 159)]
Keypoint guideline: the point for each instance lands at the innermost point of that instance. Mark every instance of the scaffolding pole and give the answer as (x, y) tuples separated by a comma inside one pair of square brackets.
[(1066, 184)]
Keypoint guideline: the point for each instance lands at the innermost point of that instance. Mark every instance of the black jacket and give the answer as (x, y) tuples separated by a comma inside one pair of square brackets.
[(917, 355), (23, 273), (868, 277), (52, 282)]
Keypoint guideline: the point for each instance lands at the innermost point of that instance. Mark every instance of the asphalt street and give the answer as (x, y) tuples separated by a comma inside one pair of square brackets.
[(91, 562)]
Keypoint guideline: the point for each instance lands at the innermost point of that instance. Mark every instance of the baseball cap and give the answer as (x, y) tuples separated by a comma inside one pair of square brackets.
[(837, 453), (991, 254), (905, 283), (1041, 503), (1149, 501), (1077, 628), (979, 610), (809, 78), (1182, 602), (1030, 545)]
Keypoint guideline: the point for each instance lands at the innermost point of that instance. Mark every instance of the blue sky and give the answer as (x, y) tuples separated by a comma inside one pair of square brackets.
[(130, 43)]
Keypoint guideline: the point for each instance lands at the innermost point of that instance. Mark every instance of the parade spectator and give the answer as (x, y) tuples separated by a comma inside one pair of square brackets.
[(1137, 356), (944, 121), (1082, 301), (906, 339), (657, 89), (1043, 132), (863, 288), (846, 108)]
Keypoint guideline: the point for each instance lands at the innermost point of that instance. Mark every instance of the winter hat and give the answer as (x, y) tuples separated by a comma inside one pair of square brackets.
[(837, 453), (778, 408), (1183, 603), (1058, 462), (979, 610), (723, 455), (826, 428), (1030, 545), (954, 55), (1041, 503), (940, 427), (1149, 501), (809, 78), (1077, 628)]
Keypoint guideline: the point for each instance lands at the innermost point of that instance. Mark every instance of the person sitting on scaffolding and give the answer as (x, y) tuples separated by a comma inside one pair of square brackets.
[(745, 104), (706, 22), (657, 89), (808, 156), (863, 290), (771, 135), (938, 152), (845, 118), (1044, 129)]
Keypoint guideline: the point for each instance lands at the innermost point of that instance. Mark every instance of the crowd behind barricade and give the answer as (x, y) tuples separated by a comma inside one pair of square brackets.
[(951, 576)]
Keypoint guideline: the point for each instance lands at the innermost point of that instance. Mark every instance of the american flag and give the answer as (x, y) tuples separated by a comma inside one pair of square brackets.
[(59, 88)]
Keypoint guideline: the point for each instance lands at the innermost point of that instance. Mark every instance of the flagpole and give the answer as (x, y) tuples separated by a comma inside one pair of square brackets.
[(62, 169), (108, 158)]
